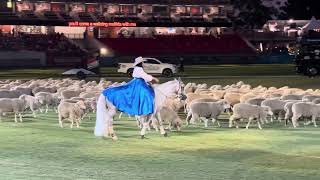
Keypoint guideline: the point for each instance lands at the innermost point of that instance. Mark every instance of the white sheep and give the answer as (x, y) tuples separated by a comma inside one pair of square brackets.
[(43, 89), (47, 99), (291, 97), (73, 111), (174, 103), (250, 112), (15, 105), (10, 94), (23, 90), (310, 98), (316, 101), (206, 110), (68, 94), (31, 102), (232, 98), (305, 109), (288, 110), (277, 107), (169, 117), (255, 101), (193, 96)]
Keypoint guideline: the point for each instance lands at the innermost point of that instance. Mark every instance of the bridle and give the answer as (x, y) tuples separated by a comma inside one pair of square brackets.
[(179, 91)]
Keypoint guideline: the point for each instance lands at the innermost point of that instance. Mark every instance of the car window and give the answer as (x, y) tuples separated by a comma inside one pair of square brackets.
[(152, 61)]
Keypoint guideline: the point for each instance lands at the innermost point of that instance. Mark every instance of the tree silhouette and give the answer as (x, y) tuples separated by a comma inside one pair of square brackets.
[(301, 9), (251, 13)]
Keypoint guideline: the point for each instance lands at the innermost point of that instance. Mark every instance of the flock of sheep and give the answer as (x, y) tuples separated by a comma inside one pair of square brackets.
[(74, 99), (243, 102), (71, 99)]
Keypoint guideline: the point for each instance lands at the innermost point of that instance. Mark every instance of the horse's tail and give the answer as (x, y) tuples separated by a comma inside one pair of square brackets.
[(101, 117)]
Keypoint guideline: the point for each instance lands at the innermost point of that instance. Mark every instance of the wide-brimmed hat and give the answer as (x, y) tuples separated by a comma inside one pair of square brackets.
[(138, 60)]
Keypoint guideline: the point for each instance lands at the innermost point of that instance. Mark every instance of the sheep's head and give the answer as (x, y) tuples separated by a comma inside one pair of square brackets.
[(267, 110), (81, 104), (225, 104), (178, 124)]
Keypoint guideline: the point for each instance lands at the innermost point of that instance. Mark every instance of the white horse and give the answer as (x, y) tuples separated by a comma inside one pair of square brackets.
[(106, 110)]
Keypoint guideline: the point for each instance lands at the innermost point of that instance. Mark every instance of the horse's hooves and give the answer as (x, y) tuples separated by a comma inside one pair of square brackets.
[(165, 134)]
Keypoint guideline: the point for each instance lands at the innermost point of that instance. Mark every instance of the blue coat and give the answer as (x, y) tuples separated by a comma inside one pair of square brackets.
[(134, 98)]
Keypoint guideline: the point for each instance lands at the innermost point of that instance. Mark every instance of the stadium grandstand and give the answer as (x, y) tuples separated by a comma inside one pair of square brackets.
[(73, 33)]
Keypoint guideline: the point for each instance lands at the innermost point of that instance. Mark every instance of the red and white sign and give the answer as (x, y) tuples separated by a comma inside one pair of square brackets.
[(102, 24)]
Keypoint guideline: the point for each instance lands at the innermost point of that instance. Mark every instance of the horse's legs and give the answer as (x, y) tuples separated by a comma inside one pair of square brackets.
[(145, 124), (120, 115), (109, 131), (162, 131)]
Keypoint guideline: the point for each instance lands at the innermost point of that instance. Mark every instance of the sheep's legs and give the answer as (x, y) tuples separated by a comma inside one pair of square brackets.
[(295, 121), (259, 125), (20, 116), (205, 120), (71, 126), (77, 123), (33, 111), (47, 108), (214, 120), (34, 114), (314, 121), (279, 116), (230, 122), (188, 118), (60, 121), (250, 119)]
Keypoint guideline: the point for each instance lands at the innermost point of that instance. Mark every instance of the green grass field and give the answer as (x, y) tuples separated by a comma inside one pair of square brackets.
[(39, 149)]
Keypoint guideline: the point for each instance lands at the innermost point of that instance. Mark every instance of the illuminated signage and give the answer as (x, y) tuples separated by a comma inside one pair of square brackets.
[(102, 24)]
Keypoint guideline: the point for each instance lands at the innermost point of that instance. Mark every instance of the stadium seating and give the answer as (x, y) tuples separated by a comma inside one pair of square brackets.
[(179, 45), (54, 45)]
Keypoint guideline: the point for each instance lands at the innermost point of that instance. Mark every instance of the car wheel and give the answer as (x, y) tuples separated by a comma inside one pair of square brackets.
[(312, 71), (167, 73), (81, 75), (130, 72)]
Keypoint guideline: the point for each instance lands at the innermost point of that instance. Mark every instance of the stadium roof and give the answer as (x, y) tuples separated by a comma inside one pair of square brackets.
[(177, 2)]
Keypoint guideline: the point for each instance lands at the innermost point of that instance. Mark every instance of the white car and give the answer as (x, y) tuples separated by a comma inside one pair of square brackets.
[(151, 66)]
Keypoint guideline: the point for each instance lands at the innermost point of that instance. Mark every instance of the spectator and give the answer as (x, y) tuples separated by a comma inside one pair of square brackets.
[(181, 68)]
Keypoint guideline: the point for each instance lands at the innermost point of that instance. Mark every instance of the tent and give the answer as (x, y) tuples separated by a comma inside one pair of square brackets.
[(312, 25)]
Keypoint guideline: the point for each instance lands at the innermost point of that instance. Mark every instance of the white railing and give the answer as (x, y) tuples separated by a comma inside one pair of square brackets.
[(74, 36)]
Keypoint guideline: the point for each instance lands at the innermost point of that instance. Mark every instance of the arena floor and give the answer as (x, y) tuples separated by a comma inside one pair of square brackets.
[(39, 149)]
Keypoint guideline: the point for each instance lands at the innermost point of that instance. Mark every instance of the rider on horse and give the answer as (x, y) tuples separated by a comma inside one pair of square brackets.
[(134, 98)]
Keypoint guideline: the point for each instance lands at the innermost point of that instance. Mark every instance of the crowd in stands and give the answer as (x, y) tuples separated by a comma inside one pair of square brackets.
[(50, 43), (179, 45)]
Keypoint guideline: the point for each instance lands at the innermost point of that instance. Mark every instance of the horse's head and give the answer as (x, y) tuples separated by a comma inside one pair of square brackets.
[(174, 88), (179, 85)]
